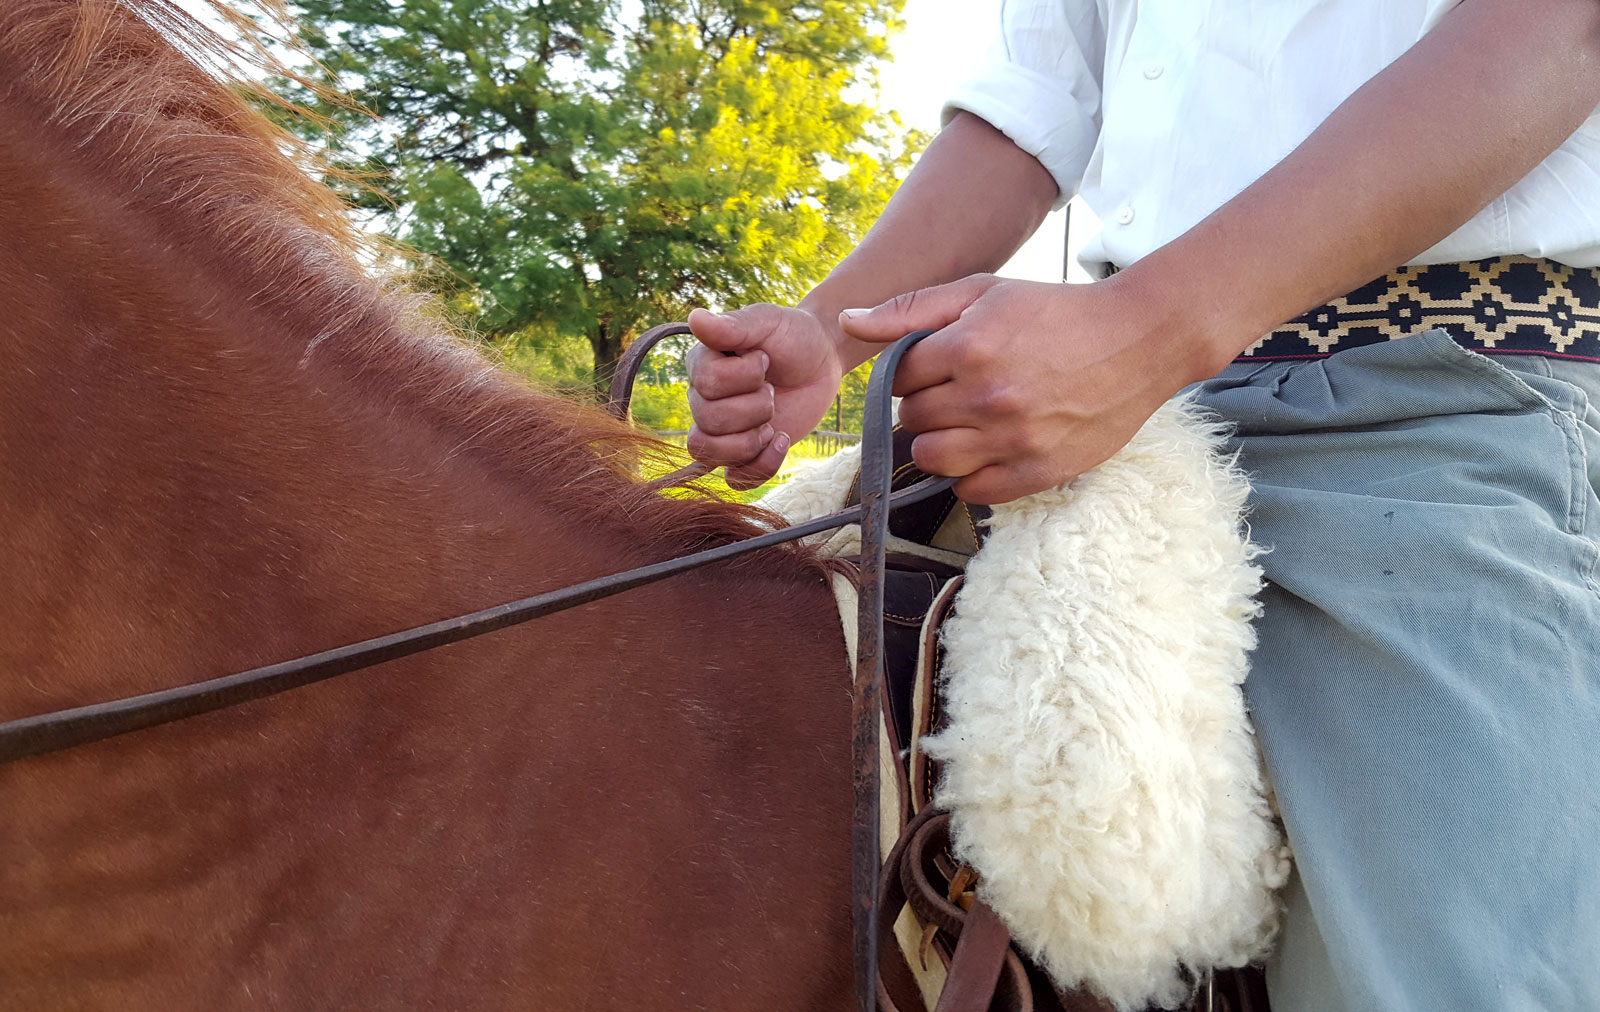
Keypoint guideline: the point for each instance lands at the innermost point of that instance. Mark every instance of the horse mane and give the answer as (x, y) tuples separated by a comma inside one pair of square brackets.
[(155, 102)]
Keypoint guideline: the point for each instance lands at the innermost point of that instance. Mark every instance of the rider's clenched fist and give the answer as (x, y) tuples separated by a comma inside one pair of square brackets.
[(760, 377)]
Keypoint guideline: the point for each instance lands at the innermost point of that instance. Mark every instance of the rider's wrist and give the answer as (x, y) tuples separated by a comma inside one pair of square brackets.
[(847, 350), (1190, 337)]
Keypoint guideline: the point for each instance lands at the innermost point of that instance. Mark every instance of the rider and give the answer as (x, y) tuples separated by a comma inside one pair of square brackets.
[(1424, 451)]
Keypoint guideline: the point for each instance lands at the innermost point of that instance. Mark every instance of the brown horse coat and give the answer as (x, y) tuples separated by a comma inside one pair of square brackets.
[(222, 444)]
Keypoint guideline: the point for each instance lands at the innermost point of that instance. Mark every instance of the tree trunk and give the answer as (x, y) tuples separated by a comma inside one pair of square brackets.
[(607, 348)]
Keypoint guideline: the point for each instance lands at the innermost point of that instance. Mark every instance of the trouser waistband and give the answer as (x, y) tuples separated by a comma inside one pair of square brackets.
[(1504, 305)]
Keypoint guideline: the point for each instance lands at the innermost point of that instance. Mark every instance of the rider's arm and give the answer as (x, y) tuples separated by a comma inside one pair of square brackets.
[(1406, 160), (971, 202), (764, 373), (1030, 384)]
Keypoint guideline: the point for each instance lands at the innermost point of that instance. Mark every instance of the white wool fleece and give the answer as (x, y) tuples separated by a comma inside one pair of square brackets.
[(1100, 768)]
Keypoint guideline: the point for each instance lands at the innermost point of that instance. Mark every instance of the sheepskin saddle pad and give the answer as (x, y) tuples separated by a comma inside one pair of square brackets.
[(1086, 729)]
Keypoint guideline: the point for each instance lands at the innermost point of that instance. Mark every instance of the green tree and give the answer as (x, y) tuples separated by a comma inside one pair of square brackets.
[(592, 167)]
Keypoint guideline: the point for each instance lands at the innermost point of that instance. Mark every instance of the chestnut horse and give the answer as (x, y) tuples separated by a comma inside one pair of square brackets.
[(223, 444)]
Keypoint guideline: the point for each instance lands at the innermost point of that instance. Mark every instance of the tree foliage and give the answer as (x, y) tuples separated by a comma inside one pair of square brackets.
[(593, 167)]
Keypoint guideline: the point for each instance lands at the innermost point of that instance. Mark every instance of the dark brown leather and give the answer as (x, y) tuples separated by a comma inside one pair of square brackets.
[(975, 970), (919, 523), (914, 863), (1240, 990), (866, 706), (897, 986), (633, 357)]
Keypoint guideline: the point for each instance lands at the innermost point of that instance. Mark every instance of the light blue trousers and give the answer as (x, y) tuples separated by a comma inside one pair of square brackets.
[(1427, 685)]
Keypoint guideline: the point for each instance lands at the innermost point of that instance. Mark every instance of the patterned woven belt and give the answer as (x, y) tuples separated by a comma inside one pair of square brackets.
[(1506, 306)]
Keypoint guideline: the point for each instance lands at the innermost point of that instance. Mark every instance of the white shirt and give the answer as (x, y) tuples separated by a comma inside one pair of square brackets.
[(1159, 111)]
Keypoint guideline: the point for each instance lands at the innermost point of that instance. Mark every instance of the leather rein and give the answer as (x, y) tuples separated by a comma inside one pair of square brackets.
[(63, 729)]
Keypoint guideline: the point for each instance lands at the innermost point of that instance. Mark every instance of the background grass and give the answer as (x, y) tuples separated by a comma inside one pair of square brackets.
[(813, 447)]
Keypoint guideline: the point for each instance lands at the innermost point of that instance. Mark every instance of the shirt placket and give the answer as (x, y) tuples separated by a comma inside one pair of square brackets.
[(1139, 118)]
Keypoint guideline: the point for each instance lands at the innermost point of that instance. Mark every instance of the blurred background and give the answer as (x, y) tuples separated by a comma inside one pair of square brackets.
[(570, 173)]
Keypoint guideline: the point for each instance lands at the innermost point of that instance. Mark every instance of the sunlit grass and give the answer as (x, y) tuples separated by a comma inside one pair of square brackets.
[(806, 450), (663, 408)]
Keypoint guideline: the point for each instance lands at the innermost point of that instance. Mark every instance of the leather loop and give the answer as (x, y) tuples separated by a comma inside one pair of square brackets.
[(632, 360), (919, 873), (897, 983), (984, 981)]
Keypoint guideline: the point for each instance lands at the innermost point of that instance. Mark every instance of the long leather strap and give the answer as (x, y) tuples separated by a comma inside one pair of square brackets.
[(61, 729), (877, 475)]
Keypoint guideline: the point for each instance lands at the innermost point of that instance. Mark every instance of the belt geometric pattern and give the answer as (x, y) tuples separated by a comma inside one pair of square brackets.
[(1505, 305)]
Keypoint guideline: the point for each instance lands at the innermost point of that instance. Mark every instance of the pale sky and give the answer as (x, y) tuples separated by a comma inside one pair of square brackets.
[(944, 42)]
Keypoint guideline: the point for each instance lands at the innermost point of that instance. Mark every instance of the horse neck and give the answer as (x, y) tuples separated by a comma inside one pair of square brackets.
[(251, 449), (179, 476), (194, 486)]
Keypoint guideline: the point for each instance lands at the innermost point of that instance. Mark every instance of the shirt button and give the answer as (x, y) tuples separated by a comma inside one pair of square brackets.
[(1125, 215), (1154, 71)]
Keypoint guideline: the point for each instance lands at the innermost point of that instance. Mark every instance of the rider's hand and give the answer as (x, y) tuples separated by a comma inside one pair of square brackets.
[(1027, 385), (761, 377)]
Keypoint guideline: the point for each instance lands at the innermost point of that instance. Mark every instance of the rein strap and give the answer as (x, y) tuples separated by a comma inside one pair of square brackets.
[(64, 729)]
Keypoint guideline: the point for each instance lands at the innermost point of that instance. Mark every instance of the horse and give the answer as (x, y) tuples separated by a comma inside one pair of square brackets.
[(225, 442)]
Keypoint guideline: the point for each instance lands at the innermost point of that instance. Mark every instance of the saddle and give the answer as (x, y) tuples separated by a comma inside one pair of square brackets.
[(942, 948)]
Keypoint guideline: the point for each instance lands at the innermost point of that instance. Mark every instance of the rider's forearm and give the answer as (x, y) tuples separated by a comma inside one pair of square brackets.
[(1406, 160), (972, 200)]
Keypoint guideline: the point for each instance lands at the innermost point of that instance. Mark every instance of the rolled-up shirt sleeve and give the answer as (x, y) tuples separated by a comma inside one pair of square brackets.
[(1041, 85)]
